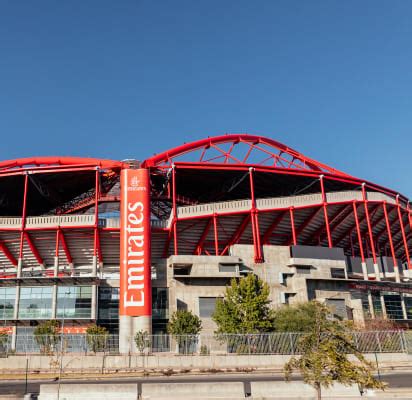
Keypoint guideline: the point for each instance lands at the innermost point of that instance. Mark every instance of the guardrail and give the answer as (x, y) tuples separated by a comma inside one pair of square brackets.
[(286, 343)]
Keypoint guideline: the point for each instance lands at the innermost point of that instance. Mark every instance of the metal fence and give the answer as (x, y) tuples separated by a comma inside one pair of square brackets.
[(204, 344)]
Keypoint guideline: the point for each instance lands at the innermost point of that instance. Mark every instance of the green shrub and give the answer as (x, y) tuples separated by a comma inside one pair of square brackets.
[(47, 336), (96, 337)]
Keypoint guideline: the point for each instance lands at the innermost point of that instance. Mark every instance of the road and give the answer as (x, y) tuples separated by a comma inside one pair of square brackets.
[(395, 380)]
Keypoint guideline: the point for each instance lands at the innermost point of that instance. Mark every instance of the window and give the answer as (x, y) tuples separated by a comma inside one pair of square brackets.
[(74, 302), (207, 306), (228, 268), (108, 312), (160, 303), (35, 302), (393, 305), (408, 305), (7, 297), (337, 273), (377, 305)]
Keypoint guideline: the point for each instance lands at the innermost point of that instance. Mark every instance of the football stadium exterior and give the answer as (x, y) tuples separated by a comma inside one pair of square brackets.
[(125, 244)]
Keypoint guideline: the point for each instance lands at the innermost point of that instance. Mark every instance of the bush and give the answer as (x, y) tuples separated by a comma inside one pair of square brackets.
[(47, 336), (185, 326), (142, 340), (96, 337)]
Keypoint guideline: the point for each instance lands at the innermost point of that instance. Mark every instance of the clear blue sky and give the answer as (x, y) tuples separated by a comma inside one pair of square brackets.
[(126, 79)]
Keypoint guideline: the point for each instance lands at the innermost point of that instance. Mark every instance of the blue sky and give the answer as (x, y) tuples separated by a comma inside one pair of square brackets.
[(126, 79)]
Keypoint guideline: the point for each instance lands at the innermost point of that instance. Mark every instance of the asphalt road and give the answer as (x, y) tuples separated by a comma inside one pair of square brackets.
[(395, 380)]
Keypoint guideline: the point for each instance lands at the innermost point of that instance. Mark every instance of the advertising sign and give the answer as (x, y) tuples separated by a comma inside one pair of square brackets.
[(135, 266)]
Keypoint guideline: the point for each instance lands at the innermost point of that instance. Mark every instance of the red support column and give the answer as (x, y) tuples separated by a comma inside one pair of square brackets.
[(199, 246), (96, 223), (216, 234), (23, 225), (388, 227), (174, 222), (358, 231), (405, 242), (292, 224), (325, 211), (372, 245), (255, 222)]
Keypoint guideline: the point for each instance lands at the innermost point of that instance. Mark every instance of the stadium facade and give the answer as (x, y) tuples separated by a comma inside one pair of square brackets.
[(124, 244)]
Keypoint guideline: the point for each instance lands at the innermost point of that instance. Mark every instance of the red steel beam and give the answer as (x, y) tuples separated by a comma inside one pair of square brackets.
[(66, 248), (174, 222), (216, 235), (405, 242), (388, 227), (303, 226), (237, 234), (292, 224), (344, 235), (325, 211), (368, 222), (272, 227), (255, 222), (8, 254), (199, 246), (339, 218), (33, 249), (357, 224)]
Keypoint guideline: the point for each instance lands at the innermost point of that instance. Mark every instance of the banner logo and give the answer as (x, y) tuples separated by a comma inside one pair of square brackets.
[(135, 268)]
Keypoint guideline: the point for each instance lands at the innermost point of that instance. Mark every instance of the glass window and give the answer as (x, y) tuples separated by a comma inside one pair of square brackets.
[(108, 312), (74, 302), (393, 305), (35, 302), (207, 306), (377, 305), (408, 305), (160, 303), (7, 298), (365, 305)]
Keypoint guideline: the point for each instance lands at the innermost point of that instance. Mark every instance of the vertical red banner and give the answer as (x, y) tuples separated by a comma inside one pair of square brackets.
[(135, 266)]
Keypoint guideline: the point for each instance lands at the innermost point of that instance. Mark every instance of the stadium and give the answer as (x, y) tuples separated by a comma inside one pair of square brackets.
[(126, 243)]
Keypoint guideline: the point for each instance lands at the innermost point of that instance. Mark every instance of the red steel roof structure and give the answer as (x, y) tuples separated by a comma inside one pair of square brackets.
[(206, 196)]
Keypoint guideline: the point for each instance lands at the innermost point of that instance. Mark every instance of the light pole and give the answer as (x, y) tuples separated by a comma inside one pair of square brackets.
[(66, 293)]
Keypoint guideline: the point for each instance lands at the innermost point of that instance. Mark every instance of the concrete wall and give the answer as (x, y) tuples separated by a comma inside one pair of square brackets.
[(112, 363)]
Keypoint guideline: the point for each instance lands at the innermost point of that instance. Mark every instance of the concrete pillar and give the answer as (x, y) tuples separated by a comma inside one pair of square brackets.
[(16, 303), (94, 302), (14, 337), (54, 302), (364, 271), (19, 267), (405, 314), (101, 270), (94, 266), (371, 309), (397, 276), (384, 314), (377, 272), (56, 266), (128, 327)]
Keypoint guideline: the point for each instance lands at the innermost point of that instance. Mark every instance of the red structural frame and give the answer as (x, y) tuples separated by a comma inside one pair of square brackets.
[(365, 232), (286, 161)]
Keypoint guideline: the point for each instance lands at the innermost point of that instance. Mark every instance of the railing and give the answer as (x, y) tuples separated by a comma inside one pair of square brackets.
[(287, 343)]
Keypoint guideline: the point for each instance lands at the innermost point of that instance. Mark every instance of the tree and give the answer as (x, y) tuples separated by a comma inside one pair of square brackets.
[(296, 318), (47, 335), (245, 307), (185, 326), (324, 356), (142, 340), (96, 337)]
